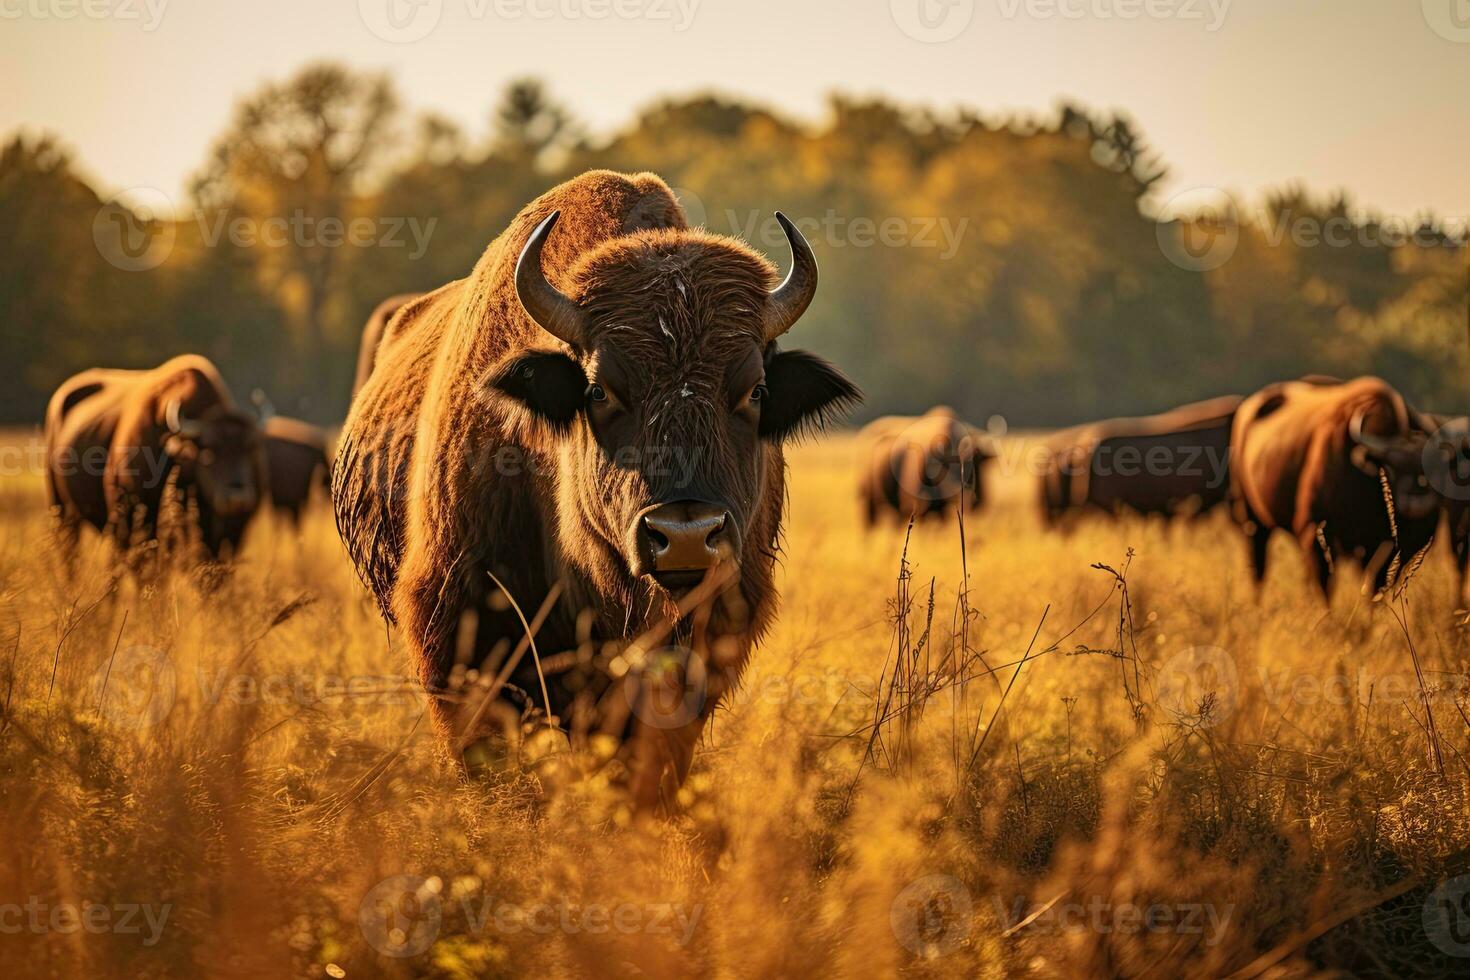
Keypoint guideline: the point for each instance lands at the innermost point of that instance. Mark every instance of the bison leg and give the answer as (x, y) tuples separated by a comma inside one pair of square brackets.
[(1321, 557)]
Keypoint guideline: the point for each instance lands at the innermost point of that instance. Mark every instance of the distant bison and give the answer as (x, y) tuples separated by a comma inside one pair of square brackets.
[(587, 432), (1448, 461), (116, 440), (374, 334), (920, 467), (297, 462), (1173, 463), (1313, 457)]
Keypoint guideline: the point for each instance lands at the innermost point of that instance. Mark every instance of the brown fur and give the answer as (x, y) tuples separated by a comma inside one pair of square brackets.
[(1086, 469), (110, 455), (1292, 468), (374, 336), (429, 506), (296, 462), (917, 468)]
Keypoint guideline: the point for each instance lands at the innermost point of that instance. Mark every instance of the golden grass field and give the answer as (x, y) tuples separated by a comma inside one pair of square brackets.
[(1199, 781)]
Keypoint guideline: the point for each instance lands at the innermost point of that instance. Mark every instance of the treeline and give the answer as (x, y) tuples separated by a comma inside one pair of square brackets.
[(1007, 266)]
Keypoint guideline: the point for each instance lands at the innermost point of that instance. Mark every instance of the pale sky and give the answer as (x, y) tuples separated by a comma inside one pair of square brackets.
[(1371, 95)]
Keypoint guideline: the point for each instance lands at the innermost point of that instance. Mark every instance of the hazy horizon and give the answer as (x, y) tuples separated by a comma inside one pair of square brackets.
[(1246, 96)]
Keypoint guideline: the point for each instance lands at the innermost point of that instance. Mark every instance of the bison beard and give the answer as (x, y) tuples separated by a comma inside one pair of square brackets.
[(579, 447)]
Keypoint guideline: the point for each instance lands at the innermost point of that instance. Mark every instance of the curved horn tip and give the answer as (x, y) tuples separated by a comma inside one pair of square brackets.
[(790, 299), (546, 305)]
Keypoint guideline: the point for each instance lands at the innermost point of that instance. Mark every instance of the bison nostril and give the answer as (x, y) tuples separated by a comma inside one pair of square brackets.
[(685, 535)]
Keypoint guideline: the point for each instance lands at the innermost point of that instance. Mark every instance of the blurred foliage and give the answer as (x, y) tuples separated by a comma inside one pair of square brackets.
[(1013, 265)]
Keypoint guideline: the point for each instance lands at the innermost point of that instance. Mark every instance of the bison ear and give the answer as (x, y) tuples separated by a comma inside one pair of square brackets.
[(806, 393), (548, 384)]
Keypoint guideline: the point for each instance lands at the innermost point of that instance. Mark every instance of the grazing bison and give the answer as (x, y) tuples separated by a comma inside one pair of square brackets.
[(115, 440), (585, 436), (374, 334), (920, 467), (1448, 464), (1174, 463), (1311, 458), (296, 461)]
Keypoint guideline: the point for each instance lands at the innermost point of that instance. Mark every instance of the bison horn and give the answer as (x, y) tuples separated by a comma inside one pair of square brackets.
[(544, 303), (263, 406), (173, 418), (789, 300), (1375, 445)]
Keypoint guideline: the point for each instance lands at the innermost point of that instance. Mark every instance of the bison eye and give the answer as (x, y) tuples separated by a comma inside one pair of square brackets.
[(759, 393), (597, 393)]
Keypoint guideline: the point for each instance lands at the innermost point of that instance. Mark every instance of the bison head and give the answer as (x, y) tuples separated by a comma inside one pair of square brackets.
[(667, 408), (219, 454), (1399, 458)]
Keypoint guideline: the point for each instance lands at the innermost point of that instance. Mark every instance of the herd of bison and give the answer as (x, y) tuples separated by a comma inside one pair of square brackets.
[(562, 476)]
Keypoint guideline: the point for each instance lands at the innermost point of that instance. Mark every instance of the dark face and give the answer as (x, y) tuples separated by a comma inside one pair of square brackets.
[(221, 455), (1402, 463), (668, 424)]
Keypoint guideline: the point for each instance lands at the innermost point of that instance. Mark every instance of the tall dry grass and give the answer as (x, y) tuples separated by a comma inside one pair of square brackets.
[(1016, 753)]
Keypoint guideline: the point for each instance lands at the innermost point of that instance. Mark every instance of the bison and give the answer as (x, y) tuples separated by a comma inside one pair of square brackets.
[(1173, 463), (1448, 463), (913, 468), (296, 462), (374, 334), (115, 441), (1341, 467), (576, 452)]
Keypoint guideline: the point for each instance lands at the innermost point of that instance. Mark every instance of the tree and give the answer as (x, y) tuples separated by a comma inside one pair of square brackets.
[(293, 161)]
